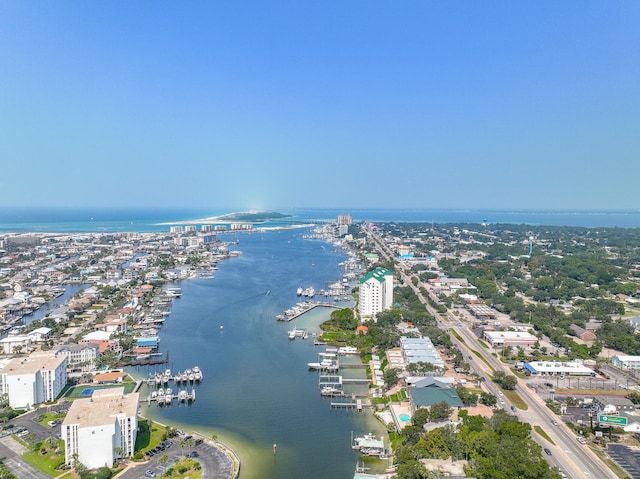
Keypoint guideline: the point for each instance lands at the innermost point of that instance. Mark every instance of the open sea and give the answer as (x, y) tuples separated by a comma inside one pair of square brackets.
[(257, 389), (150, 220)]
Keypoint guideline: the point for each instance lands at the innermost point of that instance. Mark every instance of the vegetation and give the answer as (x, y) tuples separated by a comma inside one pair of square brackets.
[(500, 447), (186, 467)]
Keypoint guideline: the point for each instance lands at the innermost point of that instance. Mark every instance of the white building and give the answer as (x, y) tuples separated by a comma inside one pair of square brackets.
[(375, 293), (81, 357), (510, 338), (35, 379), (626, 362), (561, 368), (13, 344), (97, 428), (420, 350)]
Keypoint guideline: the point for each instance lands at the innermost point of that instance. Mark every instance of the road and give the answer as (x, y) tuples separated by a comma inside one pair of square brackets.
[(577, 460)]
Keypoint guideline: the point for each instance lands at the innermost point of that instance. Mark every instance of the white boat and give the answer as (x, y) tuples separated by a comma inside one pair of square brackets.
[(299, 292), (344, 350), (192, 396), (160, 392), (325, 364), (168, 396), (182, 395), (331, 391)]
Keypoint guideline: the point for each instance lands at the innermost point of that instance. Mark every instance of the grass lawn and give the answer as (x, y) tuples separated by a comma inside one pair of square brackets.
[(50, 416), (186, 467), (149, 438), (541, 431), (516, 400), (47, 460)]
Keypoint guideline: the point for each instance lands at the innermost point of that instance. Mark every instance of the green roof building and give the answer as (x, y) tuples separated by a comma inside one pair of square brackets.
[(375, 293)]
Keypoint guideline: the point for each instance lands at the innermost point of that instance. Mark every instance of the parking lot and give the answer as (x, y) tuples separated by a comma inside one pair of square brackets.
[(214, 461), (627, 458)]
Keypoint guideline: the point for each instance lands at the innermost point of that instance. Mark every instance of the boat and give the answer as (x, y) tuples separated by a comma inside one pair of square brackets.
[(325, 364), (299, 291), (192, 396), (331, 391), (344, 350), (182, 395), (168, 396), (197, 374)]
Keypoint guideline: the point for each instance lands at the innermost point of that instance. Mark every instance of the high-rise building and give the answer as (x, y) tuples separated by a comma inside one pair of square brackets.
[(344, 220), (34, 379), (101, 428), (375, 293)]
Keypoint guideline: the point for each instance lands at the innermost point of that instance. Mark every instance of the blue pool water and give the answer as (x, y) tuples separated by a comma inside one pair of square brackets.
[(404, 417)]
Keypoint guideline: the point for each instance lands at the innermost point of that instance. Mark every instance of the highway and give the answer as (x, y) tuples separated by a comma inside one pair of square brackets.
[(577, 461)]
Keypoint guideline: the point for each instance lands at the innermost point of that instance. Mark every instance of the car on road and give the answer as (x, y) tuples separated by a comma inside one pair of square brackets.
[(554, 422), (149, 473), (547, 451)]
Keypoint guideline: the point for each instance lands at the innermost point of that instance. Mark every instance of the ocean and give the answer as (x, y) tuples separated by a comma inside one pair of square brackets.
[(52, 220)]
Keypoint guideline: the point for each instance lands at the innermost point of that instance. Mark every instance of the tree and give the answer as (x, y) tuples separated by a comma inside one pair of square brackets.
[(390, 376), (163, 460), (440, 410), (510, 383), (488, 399)]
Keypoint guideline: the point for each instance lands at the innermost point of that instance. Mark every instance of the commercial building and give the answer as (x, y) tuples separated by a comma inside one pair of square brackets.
[(420, 350), (101, 428), (375, 293), (510, 338), (561, 368), (626, 362), (34, 379)]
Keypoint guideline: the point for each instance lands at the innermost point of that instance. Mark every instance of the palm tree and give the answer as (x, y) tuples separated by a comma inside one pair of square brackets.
[(163, 461)]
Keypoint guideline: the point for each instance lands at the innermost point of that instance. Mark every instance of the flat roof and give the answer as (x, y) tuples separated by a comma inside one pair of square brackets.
[(33, 363), (103, 407)]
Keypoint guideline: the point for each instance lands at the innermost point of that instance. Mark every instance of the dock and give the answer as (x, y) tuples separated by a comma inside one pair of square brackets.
[(302, 308), (357, 405)]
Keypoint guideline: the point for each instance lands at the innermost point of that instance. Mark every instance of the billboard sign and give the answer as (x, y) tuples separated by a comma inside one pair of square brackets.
[(605, 419)]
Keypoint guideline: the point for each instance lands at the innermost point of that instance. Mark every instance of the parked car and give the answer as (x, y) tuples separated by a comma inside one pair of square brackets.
[(547, 451)]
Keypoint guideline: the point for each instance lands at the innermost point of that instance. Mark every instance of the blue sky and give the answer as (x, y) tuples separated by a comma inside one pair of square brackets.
[(416, 104)]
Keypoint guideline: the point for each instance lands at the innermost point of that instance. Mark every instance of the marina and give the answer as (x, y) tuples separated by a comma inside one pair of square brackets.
[(302, 308), (228, 324)]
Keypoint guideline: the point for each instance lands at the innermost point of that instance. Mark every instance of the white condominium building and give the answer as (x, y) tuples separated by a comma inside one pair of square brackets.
[(375, 293), (101, 428), (34, 379)]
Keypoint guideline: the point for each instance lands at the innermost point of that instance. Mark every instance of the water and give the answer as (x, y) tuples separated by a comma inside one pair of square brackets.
[(257, 389), (147, 220), (69, 292)]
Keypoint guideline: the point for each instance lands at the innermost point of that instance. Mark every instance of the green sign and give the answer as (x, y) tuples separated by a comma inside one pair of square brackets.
[(612, 420)]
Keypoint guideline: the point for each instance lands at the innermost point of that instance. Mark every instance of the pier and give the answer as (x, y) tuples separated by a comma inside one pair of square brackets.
[(358, 405), (301, 308)]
